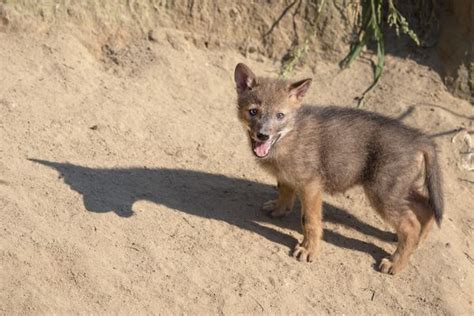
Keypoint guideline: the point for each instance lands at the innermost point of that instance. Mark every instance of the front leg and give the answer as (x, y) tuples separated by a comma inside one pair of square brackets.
[(311, 221), (284, 204)]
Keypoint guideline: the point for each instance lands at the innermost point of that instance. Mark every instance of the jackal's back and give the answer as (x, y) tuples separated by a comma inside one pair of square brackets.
[(345, 146)]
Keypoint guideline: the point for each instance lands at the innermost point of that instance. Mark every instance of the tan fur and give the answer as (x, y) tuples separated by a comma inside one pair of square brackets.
[(327, 149), (311, 220)]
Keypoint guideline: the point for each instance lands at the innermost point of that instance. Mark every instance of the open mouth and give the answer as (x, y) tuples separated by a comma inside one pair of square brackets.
[(261, 149)]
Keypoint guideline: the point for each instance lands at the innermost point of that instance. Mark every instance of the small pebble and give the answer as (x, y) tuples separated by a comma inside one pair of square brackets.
[(152, 36)]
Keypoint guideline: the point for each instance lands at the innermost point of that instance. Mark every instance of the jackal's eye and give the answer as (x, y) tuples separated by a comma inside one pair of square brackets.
[(253, 112), (280, 116)]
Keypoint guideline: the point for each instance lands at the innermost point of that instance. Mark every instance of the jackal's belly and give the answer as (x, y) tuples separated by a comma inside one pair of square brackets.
[(341, 178)]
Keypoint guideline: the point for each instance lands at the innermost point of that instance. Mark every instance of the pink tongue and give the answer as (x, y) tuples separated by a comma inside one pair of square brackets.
[(262, 148)]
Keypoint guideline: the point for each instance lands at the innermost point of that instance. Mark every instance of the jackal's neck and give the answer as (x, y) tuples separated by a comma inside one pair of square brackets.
[(281, 153)]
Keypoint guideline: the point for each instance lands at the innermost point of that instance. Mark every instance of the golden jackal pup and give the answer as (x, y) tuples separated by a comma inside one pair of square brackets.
[(312, 150)]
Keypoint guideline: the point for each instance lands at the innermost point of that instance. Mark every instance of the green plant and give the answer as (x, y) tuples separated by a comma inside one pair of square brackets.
[(298, 53), (370, 25)]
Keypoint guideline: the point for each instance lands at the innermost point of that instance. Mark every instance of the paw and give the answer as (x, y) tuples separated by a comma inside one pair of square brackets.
[(304, 254), (389, 267), (273, 210)]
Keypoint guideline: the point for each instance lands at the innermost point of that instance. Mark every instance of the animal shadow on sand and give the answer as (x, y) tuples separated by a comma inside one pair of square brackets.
[(232, 200)]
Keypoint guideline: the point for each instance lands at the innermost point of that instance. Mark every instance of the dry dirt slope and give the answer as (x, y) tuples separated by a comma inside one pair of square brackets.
[(130, 188)]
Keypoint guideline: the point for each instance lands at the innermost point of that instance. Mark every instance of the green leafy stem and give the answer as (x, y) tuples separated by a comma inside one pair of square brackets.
[(370, 29)]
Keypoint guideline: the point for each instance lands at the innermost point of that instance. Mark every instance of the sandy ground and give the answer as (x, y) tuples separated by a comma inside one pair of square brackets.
[(127, 185)]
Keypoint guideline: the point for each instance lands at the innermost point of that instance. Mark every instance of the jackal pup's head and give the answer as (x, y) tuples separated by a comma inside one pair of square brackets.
[(267, 107)]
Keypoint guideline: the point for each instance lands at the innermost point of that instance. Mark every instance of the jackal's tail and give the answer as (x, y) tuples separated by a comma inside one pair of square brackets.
[(434, 184)]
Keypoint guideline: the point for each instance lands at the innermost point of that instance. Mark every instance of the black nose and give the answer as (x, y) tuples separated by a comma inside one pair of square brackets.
[(263, 137)]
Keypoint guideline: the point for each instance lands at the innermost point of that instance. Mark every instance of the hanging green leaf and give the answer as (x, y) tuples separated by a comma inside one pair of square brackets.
[(370, 29)]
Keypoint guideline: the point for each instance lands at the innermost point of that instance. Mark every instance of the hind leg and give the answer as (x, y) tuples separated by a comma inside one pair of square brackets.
[(425, 228), (423, 212), (408, 229)]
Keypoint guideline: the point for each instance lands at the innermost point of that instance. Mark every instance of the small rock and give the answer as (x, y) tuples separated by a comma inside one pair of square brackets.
[(70, 12), (152, 36), (465, 145)]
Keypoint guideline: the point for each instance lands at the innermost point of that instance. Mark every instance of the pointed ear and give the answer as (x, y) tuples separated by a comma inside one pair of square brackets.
[(244, 78), (298, 89)]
